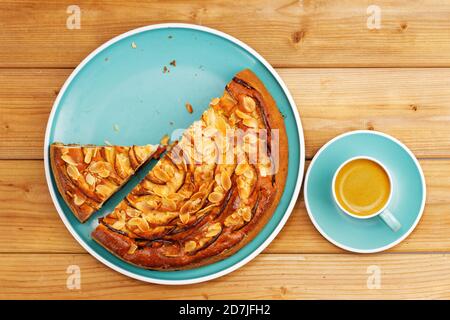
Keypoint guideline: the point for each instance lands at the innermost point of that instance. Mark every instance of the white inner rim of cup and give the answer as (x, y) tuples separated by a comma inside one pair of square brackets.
[(334, 189)]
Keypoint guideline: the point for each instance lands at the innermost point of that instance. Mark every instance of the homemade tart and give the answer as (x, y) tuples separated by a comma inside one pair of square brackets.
[(212, 192), (87, 176)]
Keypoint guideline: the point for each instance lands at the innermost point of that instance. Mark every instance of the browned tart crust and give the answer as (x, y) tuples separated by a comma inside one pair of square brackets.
[(87, 176), (192, 210)]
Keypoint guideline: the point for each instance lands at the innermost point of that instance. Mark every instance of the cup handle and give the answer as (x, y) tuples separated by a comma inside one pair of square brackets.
[(390, 220)]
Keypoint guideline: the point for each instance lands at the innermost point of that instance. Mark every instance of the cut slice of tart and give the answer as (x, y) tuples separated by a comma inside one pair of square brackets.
[(212, 192), (87, 176)]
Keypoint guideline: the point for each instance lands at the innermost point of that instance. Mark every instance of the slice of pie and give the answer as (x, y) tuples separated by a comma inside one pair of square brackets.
[(87, 176), (212, 192)]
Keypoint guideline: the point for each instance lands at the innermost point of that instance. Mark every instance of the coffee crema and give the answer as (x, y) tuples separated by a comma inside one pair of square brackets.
[(362, 187)]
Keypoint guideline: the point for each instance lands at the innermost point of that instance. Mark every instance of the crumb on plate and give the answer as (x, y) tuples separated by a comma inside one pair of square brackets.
[(189, 107)]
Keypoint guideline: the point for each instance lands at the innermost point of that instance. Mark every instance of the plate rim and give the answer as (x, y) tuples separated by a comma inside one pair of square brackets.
[(346, 247), (301, 164)]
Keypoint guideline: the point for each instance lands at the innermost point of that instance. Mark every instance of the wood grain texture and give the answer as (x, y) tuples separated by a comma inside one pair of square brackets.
[(26, 98), (411, 104), (30, 223), (301, 277), (303, 33)]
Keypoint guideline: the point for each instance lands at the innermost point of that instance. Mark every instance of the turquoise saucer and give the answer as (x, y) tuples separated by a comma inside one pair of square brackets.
[(365, 235)]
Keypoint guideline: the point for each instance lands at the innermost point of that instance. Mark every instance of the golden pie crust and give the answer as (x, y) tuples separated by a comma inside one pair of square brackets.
[(87, 176), (191, 210)]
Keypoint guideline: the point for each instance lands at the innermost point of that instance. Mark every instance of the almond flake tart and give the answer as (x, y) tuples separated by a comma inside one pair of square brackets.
[(210, 193), (87, 176)]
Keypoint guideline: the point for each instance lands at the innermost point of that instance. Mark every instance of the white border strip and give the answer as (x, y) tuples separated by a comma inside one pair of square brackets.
[(300, 167), (329, 238)]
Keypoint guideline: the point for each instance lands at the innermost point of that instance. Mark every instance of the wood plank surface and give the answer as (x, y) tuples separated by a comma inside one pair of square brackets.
[(413, 276), (343, 76), (411, 104), (31, 224), (295, 33)]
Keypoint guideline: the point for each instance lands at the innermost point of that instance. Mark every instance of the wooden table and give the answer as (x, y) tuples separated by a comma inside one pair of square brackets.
[(343, 76)]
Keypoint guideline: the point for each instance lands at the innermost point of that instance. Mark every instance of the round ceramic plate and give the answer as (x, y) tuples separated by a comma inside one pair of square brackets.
[(123, 86), (365, 235)]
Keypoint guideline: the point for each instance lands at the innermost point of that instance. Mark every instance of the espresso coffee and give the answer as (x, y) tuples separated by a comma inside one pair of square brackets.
[(362, 187)]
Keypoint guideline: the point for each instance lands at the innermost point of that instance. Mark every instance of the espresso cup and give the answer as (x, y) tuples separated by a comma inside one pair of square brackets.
[(362, 188)]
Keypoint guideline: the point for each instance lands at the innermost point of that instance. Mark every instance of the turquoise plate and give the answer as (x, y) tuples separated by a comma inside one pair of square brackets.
[(365, 235), (122, 85)]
